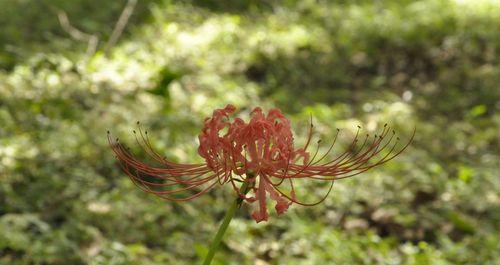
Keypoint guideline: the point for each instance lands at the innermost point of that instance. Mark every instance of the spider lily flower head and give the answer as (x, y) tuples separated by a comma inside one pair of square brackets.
[(260, 153)]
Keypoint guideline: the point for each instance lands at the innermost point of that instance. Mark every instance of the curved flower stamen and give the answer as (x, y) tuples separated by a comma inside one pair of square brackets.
[(260, 153)]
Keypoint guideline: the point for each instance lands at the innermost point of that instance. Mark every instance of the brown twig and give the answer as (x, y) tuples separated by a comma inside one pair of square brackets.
[(77, 34), (121, 23)]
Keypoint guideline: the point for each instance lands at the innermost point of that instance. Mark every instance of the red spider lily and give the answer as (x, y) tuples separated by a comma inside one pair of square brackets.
[(260, 153)]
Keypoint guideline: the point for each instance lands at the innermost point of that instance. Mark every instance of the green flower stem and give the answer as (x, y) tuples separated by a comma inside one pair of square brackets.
[(225, 223)]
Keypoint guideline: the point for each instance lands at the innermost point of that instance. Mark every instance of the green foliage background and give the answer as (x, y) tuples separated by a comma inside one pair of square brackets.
[(433, 65)]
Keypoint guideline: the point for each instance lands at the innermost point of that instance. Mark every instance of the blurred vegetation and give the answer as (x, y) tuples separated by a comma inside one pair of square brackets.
[(433, 65)]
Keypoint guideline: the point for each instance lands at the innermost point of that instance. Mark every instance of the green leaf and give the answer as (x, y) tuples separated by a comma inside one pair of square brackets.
[(478, 111), (166, 76), (465, 173)]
